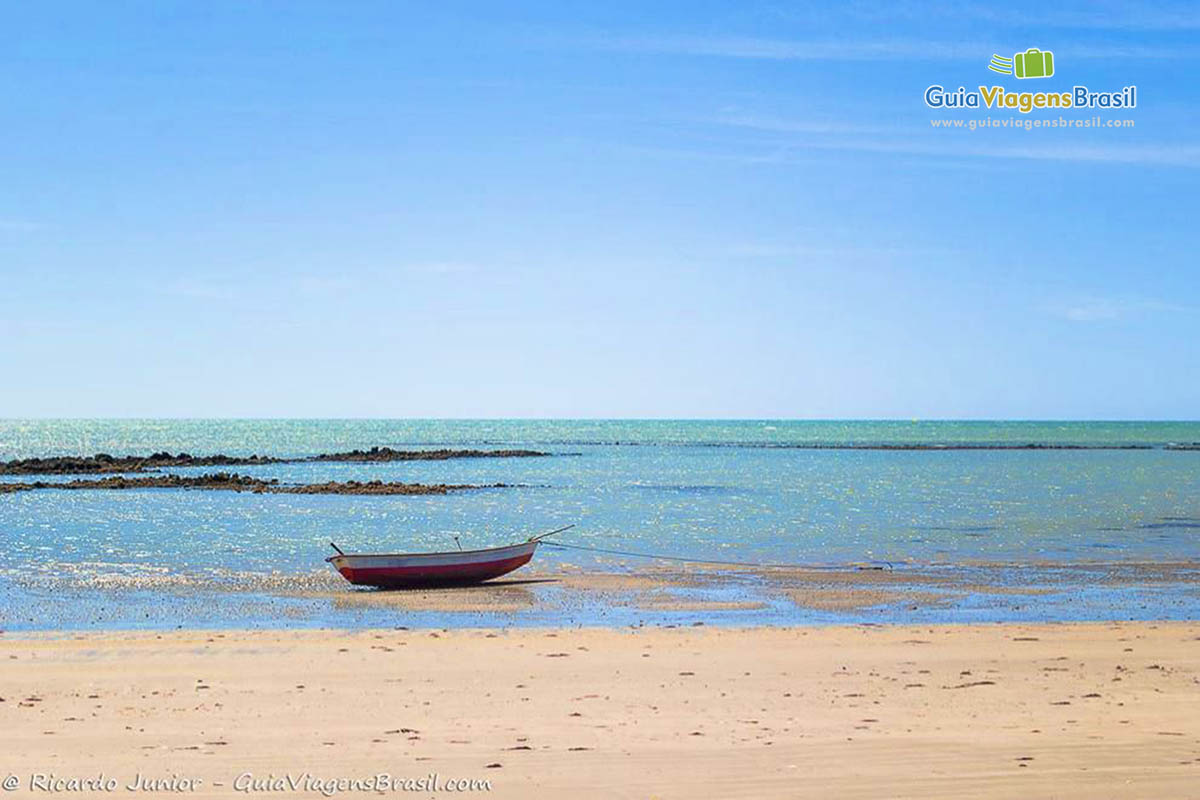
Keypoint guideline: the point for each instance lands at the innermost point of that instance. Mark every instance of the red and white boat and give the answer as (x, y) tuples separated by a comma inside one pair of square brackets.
[(408, 570)]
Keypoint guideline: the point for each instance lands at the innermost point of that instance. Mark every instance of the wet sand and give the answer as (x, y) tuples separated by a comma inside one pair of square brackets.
[(569, 596), (1068, 710)]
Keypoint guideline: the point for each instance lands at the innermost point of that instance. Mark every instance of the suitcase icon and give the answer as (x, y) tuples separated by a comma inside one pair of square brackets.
[(1034, 63)]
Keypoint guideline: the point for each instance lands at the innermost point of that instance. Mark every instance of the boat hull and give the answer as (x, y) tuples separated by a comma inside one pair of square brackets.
[(402, 571)]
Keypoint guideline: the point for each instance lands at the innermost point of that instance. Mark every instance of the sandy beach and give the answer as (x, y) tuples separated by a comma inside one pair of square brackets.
[(1066, 710)]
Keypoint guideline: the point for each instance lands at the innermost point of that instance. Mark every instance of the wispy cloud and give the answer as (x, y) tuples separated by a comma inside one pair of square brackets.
[(1106, 15), (786, 50), (749, 47), (1160, 155), (819, 135), (1153, 155), (1091, 308), (201, 289), (325, 284), (20, 225), (836, 252), (803, 152), (1131, 51), (781, 125), (441, 268)]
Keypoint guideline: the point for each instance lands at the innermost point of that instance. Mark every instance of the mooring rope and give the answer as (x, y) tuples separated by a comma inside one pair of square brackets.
[(757, 564)]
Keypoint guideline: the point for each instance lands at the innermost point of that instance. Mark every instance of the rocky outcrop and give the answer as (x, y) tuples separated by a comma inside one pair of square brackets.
[(380, 487), (388, 454), (216, 480), (104, 463), (226, 481)]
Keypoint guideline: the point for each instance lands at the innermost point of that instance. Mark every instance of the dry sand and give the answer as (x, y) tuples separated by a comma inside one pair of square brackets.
[(1081, 710)]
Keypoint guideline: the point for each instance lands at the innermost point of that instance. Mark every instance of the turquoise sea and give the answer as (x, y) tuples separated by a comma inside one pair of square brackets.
[(756, 491)]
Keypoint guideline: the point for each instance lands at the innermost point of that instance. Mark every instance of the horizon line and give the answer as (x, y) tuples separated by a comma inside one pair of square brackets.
[(913, 420)]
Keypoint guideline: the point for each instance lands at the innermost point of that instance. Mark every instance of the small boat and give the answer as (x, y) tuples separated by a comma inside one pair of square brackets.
[(454, 568)]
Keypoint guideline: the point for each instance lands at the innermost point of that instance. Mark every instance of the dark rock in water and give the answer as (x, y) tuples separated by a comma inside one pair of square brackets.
[(103, 462), (379, 487), (216, 480), (388, 454), (233, 482)]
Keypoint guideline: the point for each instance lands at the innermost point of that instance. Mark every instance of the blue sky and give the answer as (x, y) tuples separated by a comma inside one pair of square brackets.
[(552, 209)]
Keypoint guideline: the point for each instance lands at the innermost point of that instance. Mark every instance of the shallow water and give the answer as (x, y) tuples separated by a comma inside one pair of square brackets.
[(744, 491)]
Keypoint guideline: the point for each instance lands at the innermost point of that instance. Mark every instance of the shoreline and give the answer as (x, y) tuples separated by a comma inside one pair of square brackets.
[(993, 710), (572, 596)]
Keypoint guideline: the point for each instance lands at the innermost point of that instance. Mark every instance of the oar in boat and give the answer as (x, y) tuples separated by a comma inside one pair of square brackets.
[(541, 536)]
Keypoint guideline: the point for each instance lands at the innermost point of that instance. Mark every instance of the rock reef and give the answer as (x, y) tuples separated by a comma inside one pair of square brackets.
[(380, 487), (101, 463), (388, 454), (227, 481)]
